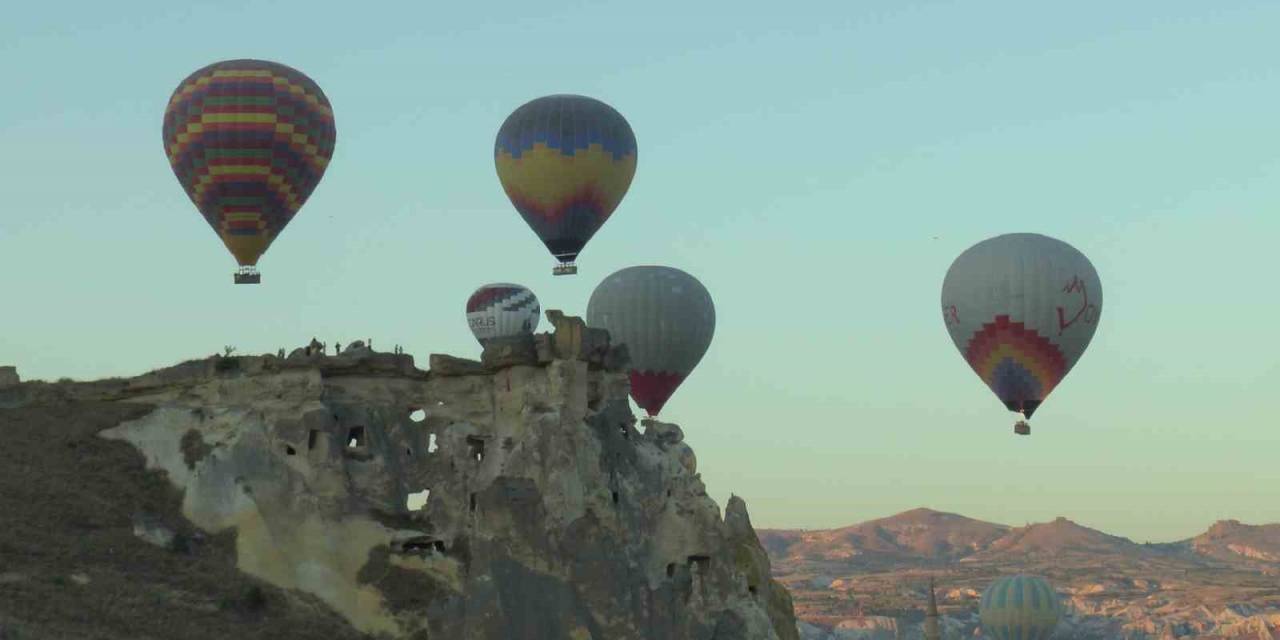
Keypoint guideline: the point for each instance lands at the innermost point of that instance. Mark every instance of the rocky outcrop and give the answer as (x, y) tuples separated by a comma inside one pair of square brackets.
[(548, 513)]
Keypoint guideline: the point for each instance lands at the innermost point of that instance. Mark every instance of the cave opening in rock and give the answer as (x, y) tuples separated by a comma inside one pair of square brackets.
[(418, 500), (289, 450), (615, 497), (702, 563), (671, 569), (417, 545), (355, 437), (752, 589), (311, 439), (473, 503), (476, 446)]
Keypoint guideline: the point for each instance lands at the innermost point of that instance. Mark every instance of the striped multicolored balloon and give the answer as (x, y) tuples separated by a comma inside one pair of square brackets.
[(502, 310), (565, 162), (666, 319), (1019, 608), (249, 140), (1021, 308)]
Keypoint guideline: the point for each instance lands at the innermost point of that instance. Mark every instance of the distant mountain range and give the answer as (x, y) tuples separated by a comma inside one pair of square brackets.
[(862, 580), (926, 537)]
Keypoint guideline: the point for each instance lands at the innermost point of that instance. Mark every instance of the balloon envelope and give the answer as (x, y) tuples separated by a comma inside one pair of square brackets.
[(1021, 308), (1019, 608), (502, 310), (249, 140), (666, 319), (565, 162)]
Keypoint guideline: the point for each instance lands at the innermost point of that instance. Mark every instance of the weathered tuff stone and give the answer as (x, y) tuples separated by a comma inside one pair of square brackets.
[(549, 515), (444, 365), (574, 340), (617, 358), (753, 562), (501, 353)]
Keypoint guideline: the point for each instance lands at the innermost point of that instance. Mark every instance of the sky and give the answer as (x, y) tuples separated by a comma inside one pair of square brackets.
[(817, 165)]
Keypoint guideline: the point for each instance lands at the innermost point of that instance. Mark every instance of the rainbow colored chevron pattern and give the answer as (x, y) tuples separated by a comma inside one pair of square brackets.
[(249, 140), (1021, 366), (565, 161)]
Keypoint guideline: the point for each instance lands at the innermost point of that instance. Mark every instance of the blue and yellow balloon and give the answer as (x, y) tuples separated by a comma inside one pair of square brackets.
[(565, 162)]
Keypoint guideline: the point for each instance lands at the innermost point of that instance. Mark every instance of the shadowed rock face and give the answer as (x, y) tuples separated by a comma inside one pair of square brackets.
[(549, 514)]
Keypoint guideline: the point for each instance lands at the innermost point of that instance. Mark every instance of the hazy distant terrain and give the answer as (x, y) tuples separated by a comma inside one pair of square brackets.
[(869, 579)]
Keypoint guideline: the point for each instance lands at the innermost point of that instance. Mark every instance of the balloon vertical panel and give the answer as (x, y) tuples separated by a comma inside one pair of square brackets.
[(1019, 608), (249, 141)]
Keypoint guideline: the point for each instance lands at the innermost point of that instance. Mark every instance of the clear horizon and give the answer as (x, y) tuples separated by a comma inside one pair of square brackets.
[(817, 168)]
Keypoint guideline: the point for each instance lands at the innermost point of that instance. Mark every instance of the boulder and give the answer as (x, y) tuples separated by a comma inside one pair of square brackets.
[(502, 353)]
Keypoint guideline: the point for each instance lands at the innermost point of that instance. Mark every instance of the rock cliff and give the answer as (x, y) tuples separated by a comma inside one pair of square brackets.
[(510, 498)]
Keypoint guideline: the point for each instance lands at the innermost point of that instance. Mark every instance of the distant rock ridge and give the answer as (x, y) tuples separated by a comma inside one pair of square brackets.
[(868, 581), (1231, 540), (546, 512), (924, 534)]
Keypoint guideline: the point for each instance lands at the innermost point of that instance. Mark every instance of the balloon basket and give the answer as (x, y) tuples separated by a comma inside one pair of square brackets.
[(566, 269), (1022, 428), (248, 275)]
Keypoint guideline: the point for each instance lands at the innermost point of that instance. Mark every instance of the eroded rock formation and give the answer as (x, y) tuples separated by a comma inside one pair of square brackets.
[(548, 513)]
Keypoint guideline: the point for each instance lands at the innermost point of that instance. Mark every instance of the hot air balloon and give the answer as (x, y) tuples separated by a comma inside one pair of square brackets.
[(1021, 308), (502, 310), (249, 140), (666, 319), (1019, 608), (565, 162)]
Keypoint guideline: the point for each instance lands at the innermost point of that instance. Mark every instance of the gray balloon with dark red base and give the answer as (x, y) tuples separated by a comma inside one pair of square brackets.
[(666, 319)]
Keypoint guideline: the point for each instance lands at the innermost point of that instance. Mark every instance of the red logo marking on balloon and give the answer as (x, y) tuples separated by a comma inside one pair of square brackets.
[(950, 314), (1087, 311)]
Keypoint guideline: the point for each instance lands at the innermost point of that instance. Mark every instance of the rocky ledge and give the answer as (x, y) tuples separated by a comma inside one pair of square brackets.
[(513, 497)]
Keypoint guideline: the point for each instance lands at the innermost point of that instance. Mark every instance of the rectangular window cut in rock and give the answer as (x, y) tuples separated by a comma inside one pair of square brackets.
[(311, 439), (422, 546), (355, 437), (701, 564), (476, 448), (473, 503)]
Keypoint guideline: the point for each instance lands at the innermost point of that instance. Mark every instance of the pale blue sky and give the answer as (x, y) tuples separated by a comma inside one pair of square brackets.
[(798, 158)]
